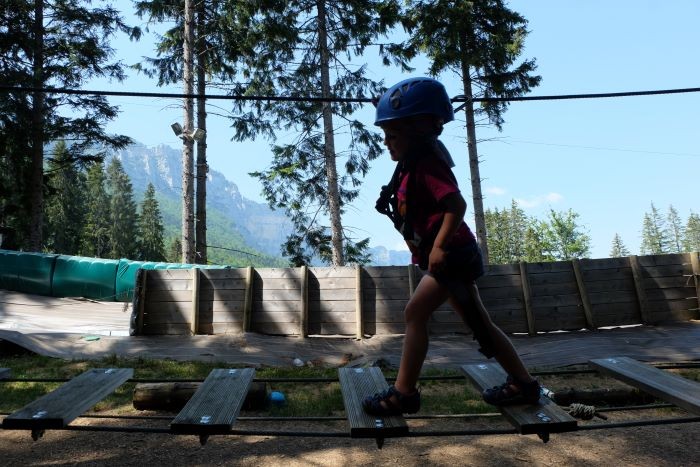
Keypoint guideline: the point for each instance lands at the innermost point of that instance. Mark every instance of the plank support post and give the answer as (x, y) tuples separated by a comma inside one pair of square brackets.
[(304, 331), (248, 300), (138, 304), (587, 309), (195, 301), (639, 287), (359, 315), (527, 296), (695, 263)]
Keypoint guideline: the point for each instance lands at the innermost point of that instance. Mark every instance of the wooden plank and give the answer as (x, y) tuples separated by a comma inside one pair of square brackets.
[(669, 387), (666, 259), (321, 273), (412, 279), (248, 303), (639, 287), (359, 314), (587, 310), (527, 298), (166, 329), (355, 385), (64, 404), (5, 373), (541, 418), (213, 409), (374, 272), (695, 264), (304, 302), (195, 301), (216, 276)]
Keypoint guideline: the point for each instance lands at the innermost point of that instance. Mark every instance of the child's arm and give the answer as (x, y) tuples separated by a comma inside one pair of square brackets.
[(455, 207)]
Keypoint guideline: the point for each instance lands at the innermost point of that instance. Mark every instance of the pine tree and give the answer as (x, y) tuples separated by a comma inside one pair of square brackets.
[(96, 229), (174, 250), (151, 228), (65, 206), (537, 247), (675, 230), (61, 44), (691, 242), (123, 216), (307, 50), (480, 41), (655, 237), (618, 249), (506, 231)]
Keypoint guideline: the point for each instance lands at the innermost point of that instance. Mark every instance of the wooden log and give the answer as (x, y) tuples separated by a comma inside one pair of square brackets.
[(248, 303), (527, 297), (359, 315), (304, 305), (172, 397), (641, 292), (588, 311)]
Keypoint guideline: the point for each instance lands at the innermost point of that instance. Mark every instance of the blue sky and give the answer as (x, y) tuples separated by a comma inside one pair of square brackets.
[(606, 159)]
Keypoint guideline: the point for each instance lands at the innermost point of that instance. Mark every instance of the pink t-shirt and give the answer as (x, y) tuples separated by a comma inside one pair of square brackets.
[(433, 181)]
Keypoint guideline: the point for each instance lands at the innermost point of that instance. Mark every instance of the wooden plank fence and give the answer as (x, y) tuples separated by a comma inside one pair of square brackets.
[(358, 301)]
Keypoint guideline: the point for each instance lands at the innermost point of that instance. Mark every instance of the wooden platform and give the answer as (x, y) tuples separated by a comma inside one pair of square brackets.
[(662, 384), (63, 405), (213, 409), (356, 384), (544, 418)]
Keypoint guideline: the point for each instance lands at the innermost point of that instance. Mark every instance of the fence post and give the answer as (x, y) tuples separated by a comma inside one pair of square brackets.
[(411, 279), (359, 315), (304, 301), (639, 287), (528, 300), (136, 327), (695, 262), (587, 309), (195, 301), (248, 300)]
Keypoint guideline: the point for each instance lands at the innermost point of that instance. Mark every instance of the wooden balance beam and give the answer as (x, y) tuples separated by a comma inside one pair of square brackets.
[(356, 384), (541, 419), (67, 402), (669, 387), (213, 409)]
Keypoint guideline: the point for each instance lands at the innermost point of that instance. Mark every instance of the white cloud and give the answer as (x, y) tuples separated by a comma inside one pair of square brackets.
[(497, 191), (536, 201)]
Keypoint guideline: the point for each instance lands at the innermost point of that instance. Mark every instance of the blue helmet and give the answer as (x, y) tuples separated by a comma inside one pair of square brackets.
[(414, 96)]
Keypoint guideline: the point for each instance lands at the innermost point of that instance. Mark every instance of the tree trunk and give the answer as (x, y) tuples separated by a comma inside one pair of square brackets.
[(477, 197), (329, 143), (37, 152), (202, 168), (188, 143)]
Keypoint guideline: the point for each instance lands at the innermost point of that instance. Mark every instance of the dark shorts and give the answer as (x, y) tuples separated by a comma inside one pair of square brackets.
[(464, 263)]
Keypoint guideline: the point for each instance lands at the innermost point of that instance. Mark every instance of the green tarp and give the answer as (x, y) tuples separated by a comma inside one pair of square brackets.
[(77, 276), (26, 272)]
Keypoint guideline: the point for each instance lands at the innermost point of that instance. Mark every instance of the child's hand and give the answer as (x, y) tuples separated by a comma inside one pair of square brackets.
[(437, 260)]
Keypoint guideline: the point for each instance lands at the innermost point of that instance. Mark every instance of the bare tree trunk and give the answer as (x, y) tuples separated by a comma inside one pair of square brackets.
[(202, 168), (188, 143), (37, 167), (329, 143), (477, 197)]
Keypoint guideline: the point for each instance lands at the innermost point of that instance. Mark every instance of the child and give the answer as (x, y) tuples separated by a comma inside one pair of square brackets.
[(425, 204)]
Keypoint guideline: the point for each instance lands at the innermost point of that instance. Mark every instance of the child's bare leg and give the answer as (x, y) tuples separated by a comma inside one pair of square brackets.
[(427, 297), (504, 351)]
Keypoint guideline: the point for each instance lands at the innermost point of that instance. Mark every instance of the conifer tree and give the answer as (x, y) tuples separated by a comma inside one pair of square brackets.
[(151, 228), (96, 229), (123, 216), (58, 44), (655, 237), (536, 245), (65, 206), (675, 230), (480, 41), (691, 241), (618, 249), (506, 231), (565, 237)]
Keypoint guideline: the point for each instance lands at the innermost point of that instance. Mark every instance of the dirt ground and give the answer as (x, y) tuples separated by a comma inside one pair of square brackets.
[(663, 445)]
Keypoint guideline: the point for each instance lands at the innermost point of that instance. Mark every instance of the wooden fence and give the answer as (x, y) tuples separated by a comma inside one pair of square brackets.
[(358, 301)]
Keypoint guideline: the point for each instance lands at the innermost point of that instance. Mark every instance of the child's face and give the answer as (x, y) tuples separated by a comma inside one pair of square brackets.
[(397, 139)]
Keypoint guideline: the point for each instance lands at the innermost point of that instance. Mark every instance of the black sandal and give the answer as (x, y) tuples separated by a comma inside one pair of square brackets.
[(513, 392), (391, 402)]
